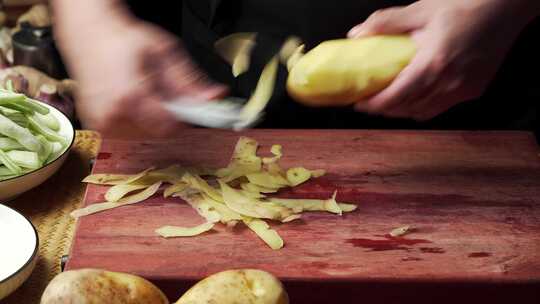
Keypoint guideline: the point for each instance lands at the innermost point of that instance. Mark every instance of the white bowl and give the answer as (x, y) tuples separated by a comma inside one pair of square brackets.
[(12, 187), (18, 256)]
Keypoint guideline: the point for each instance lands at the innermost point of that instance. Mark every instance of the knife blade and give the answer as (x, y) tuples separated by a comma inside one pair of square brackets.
[(221, 114)]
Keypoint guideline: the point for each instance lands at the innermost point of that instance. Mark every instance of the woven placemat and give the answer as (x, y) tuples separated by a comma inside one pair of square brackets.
[(48, 207)]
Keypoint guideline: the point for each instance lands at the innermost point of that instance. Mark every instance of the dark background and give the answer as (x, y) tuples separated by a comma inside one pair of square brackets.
[(510, 103)]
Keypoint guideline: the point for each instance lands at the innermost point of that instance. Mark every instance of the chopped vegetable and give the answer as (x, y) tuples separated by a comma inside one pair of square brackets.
[(24, 159), (23, 136), (176, 231), (26, 140), (10, 164), (7, 144)]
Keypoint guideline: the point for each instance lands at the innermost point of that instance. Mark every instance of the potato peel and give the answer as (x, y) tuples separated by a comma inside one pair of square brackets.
[(128, 200), (301, 205), (236, 50), (252, 188), (197, 202), (401, 231), (106, 179), (117, 192), (243, 161), (262, 94), (175, 188), (331, 205), (220, 200), (298, 175), (267, 180), (196, 182), (177, 231), (226, 214), (263, 231), (289, 48), (276, 150), (245, 205)]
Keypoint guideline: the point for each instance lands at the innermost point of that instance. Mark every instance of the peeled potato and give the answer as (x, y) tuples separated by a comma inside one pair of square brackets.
[(344, 71), (99, 286), (246, 286)]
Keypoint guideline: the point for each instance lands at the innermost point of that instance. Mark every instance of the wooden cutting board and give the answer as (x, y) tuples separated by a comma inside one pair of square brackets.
[(473, 199)]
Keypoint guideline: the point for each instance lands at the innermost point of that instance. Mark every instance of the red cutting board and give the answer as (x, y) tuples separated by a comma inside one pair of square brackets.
[(473, 199)]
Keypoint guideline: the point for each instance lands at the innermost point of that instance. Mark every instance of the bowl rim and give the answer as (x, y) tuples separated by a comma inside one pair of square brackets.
[(34, 254), (68, 148)]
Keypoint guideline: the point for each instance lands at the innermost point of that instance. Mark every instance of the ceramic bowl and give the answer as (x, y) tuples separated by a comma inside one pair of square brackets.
[(10, 188), (19, 252)]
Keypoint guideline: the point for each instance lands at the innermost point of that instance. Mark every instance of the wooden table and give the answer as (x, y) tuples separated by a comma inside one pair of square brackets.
[(473, 199)]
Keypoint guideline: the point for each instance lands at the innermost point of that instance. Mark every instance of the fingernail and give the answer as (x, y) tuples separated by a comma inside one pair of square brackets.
[(356, 31)]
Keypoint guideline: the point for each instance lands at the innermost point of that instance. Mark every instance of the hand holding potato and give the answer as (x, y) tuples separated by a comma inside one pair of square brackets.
[(461, 45)]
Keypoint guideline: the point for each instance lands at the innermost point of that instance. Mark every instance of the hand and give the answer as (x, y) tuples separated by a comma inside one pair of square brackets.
[(126, 69), (461, 45)]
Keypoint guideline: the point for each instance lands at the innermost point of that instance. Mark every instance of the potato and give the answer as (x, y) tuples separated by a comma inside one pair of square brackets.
[(344, 71), (88, 286), (247, 286)]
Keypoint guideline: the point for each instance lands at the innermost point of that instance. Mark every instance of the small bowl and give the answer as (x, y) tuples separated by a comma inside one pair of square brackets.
[(20, 245), (12, 187)]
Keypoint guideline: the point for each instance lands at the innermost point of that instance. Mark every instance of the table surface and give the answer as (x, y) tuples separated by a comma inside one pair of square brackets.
[(48, 207), (472, 198)]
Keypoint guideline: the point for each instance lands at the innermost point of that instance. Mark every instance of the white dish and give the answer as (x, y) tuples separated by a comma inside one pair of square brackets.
[(12, 187), (18, 256)]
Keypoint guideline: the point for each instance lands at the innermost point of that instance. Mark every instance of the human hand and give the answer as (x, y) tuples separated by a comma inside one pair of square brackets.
[(461, 45), (126, 69)]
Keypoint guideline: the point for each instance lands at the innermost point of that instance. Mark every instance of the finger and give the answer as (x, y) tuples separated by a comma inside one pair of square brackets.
[(412, 106), (173, 73), (394, 20), (414, 80), (180, 76), (434, 106), (155, 120)]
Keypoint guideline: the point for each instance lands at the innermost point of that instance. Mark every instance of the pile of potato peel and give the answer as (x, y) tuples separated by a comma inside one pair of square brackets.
[(235, 194)]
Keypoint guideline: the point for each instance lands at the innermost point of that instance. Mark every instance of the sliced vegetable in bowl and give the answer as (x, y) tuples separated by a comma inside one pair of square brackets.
[(30, 136), (34, 142)]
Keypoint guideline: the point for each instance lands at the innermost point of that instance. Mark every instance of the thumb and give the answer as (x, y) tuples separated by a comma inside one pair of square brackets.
[(394, 20)]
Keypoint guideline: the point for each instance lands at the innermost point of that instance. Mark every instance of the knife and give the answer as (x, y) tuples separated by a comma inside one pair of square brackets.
[(222, 114)]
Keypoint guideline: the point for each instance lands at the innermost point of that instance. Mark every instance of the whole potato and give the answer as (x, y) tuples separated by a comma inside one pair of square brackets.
[(243, 286), (344, 71), (89, 286)]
